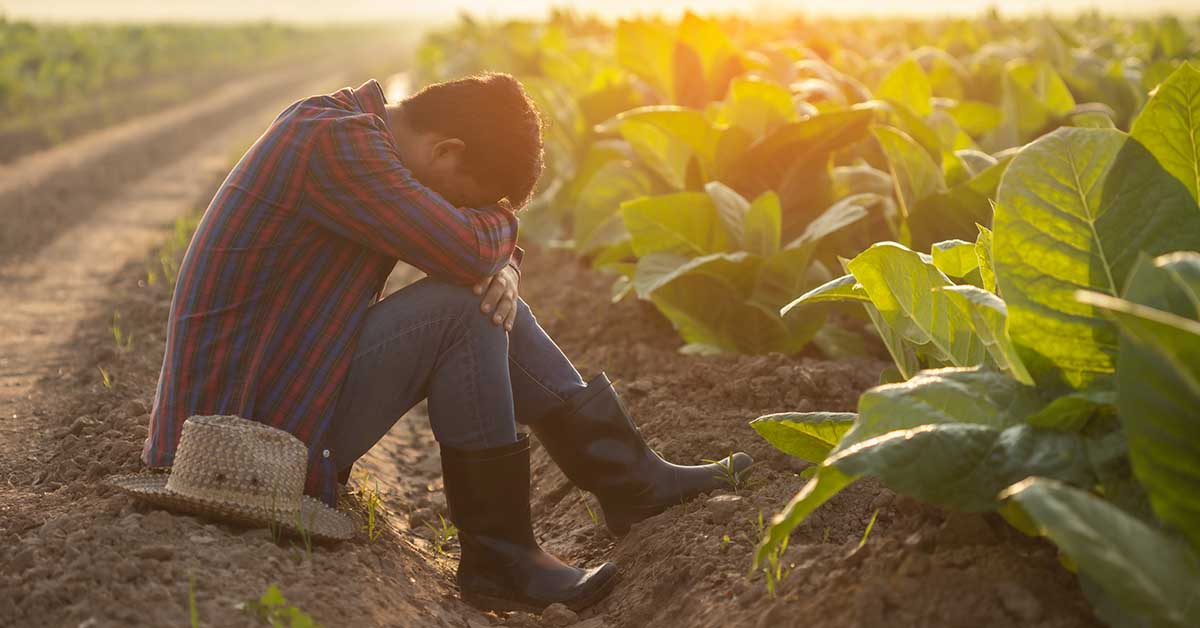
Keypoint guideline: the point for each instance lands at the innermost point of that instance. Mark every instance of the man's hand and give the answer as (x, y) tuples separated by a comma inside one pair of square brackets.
[(500, 299)]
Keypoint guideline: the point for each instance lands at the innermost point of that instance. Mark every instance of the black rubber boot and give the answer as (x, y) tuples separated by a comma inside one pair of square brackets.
[(502, 567), (594, 441)]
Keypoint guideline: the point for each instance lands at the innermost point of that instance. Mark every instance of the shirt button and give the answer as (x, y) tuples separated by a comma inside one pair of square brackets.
[(325, 453)]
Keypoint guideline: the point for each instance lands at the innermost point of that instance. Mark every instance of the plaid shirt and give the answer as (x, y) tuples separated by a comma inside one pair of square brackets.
[(293, 249)]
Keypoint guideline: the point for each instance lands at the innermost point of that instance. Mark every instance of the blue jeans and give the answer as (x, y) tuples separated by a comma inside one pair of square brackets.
[(429, 340)]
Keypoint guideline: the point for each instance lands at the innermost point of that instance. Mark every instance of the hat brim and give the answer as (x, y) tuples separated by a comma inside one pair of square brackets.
[(314, 518)]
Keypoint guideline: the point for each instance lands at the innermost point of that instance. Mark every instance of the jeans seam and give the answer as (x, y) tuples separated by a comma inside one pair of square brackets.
[(392, 338), (534, 379)]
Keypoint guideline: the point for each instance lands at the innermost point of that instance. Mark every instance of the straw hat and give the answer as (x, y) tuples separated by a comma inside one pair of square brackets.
[(232, 468)]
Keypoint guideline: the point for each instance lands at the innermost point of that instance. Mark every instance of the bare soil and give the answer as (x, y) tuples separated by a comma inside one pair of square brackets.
[(75, 553)]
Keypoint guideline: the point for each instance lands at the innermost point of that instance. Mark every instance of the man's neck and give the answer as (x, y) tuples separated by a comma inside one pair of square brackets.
[(395, 119)]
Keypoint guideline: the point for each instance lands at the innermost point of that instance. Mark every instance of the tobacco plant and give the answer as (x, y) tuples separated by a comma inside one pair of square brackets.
[(1071, 403)]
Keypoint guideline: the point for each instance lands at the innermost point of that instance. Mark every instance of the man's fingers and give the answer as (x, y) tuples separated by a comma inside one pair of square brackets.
[(511, 319), (481, 285), (494, 293), (503, 310)]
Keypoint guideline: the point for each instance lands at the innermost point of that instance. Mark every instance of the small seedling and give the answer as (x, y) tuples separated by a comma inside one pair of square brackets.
[(727, 474), (273, 526), (105, 378), (586, 504), (867, 532), (124, 341), (193, 612), (371, 499), (306, 533), (442, 534), (272, 609), (773, 570)]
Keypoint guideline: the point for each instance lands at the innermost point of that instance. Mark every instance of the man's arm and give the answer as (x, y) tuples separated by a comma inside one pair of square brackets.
[(358, 188)]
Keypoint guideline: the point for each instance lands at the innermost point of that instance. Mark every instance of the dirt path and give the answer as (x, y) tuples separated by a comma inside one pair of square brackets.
[(46, 294)]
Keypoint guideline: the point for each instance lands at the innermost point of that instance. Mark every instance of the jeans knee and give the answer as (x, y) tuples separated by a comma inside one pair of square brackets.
[(449, 295)]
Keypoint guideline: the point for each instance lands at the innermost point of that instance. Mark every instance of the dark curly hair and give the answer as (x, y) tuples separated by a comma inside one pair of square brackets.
[(500, 125)]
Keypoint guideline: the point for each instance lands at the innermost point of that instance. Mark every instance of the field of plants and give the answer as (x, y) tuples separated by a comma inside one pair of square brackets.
[(1007, 207), (57, 80), (940, 278)]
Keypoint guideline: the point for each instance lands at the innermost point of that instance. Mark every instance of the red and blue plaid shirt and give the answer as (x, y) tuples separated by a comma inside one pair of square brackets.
[(293, 249)]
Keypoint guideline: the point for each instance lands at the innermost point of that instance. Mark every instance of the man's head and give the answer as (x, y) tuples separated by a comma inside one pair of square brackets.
[(475, 140)]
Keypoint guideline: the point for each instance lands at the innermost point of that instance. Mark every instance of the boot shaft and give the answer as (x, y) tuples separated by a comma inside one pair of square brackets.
[(595, 442), (487, 492)]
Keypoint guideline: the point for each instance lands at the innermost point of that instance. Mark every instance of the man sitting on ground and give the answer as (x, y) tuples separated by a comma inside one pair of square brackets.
[(276, 317)]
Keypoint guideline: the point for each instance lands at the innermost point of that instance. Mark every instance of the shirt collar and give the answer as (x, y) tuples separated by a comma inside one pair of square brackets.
[(371, 99)]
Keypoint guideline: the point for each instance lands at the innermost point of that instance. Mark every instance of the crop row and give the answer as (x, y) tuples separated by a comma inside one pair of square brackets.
[(1011, 206)]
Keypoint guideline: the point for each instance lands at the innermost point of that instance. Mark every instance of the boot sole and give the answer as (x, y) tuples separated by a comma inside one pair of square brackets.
[(499, 604)]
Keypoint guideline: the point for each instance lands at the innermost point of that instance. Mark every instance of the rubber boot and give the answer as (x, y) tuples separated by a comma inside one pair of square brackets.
[(502, 567), (594, 441)]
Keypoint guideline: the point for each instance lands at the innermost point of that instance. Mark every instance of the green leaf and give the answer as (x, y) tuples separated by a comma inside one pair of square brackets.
[(956, 258), (670, 140), (915, 174), (1035, 96), (836, 217), (806, 435), (983, 249), (908, 85), (957, 211), (901, 349), (952, 395), (989, 319), (1073, 411), (685, 223), (1092, 120), (844, 288), (758, 106), (976, 118), (658, 269), (827, 482), (646, 48), (964, 466), (731, 209), (709, 301), (1143, 570), (766, 162), (1074, 211), (1169, 126), (902, 287), (602, 182), (1158, 388), (763, 224), (272, 597)]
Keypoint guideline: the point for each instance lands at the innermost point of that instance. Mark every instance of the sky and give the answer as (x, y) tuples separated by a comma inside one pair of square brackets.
[(358, 10)]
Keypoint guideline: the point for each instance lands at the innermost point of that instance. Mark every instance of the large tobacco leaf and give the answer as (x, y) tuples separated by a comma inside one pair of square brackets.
[(953, 395), (965, 466), (1169, 126), (1158, 384), (1149, 576), (1074, 211)]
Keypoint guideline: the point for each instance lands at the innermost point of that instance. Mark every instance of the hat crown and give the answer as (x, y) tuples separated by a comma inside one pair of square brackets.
[(237, 461)]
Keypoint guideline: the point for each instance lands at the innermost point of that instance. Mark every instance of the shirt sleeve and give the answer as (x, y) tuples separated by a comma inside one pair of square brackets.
[(358, 188)]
